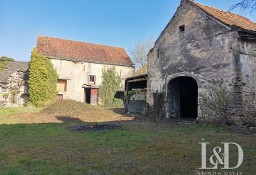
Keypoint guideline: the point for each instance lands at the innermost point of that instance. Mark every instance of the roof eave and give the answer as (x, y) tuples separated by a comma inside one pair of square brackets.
[(247, 34), (96, 62), (137, 76), (228, 27)]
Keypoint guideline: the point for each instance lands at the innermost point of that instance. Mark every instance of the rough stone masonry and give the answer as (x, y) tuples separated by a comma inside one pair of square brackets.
[(203, 47)]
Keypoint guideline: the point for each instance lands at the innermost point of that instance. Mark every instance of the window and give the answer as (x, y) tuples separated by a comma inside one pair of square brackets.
[(26, 76), (62, 85), (26, 88), (92, 79), (2, 89), (182, 28), (59, 97)]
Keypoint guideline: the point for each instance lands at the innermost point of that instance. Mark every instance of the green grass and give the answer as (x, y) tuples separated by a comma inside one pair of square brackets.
[(17, 110), (137, 148), (6, 113), (141, 146)]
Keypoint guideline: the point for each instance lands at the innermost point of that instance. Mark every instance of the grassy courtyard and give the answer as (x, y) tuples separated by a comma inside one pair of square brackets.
[(41, 141)]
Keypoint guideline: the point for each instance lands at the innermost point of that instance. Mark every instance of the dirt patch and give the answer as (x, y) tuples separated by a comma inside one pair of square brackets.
[(69, 111), (97, 127)]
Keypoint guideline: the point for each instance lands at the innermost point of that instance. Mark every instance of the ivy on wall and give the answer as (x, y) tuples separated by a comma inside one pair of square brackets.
[(4, 61), (42, 80), (110, 85)]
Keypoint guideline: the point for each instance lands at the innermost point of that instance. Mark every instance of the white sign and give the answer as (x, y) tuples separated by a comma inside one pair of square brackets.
[(220, 157)]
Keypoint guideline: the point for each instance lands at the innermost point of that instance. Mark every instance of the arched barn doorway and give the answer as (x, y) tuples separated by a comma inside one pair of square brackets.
[(183, 98)]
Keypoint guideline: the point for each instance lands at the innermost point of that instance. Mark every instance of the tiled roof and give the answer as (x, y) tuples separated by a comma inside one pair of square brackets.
[(231, 19), (11, 68), (80, 51)]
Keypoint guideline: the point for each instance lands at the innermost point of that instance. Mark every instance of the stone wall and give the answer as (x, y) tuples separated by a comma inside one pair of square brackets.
[(195, 45), (137, 101), (77, 74), (247, 79), (17, 89)]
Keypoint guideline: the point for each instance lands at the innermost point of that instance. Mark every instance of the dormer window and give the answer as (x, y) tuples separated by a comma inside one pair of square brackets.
[(92, 79)]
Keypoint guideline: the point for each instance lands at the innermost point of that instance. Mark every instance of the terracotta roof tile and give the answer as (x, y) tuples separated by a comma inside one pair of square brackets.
[(228, 18), (81, 51)]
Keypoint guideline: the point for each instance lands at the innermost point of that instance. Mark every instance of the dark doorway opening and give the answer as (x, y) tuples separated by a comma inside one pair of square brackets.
[(88, 95), (183, 98)]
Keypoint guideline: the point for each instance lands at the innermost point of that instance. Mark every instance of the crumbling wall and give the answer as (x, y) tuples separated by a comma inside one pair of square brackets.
[(247, 79), (16, 87), (194, 45), (158, 108), (137, 101)]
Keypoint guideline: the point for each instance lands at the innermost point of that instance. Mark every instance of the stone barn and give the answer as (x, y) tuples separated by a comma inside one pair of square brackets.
[(79, 66), (203, 67)]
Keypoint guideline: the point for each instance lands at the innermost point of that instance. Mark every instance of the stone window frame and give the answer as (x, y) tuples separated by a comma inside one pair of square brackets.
[(185, 74)]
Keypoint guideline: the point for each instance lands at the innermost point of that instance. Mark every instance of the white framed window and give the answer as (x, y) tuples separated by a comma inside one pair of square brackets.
[(92, 79)]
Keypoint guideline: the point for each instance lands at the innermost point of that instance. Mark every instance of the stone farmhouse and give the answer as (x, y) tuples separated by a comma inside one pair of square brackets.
[(203, 47), (80, 65), (13, 84)]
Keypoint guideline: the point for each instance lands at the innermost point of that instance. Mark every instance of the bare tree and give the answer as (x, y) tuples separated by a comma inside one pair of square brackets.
[(139, 52), (245, 5)]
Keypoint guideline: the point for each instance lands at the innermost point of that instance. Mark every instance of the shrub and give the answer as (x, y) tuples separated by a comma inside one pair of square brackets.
[(42, 80), (5, 95), (110, 85), (4, 61), (215, 100)]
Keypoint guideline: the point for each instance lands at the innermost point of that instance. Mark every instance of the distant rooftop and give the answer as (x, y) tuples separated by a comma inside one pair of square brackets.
[(11, 68)]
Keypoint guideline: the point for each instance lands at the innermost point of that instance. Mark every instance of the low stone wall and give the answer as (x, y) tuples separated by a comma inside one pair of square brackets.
[(137, 101)]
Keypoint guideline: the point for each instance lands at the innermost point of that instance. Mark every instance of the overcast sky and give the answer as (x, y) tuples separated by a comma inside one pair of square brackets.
[(111, 22)]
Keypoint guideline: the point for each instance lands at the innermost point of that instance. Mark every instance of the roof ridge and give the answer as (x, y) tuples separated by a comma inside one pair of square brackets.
[(95, 44), (221, 10), (82, 51)]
